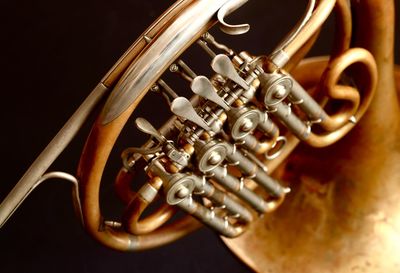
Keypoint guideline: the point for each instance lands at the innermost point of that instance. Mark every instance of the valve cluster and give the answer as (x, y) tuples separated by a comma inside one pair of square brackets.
[(226, 133)]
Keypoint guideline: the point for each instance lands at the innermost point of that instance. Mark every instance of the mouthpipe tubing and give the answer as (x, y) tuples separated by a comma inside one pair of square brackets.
[(46, 158)]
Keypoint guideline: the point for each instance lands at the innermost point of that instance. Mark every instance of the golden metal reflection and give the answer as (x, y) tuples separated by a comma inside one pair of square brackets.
[(343, 213)]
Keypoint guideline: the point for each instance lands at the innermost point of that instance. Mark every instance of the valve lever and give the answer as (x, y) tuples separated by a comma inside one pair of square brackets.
[(203, 87), (145, 126), (182, 107), (224, 66)]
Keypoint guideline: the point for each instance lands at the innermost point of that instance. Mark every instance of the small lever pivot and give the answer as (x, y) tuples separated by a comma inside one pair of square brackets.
[(145, 126), (222, 65), (227, 9), (182, 107), (203, 87)]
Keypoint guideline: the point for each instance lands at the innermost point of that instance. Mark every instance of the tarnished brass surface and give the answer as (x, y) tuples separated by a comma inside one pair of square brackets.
[(342, 168), (343, 213)]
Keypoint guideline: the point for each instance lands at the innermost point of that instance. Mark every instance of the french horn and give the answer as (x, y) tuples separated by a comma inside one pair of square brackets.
[(292, 160)]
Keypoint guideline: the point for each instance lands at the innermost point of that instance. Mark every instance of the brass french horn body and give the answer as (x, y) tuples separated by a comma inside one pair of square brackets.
[(294, 161)]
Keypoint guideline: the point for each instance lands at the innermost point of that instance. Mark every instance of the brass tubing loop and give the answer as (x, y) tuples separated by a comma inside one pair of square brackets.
[(90, 174), (292, 161), (342, 211), (138, 204), (344, 120)]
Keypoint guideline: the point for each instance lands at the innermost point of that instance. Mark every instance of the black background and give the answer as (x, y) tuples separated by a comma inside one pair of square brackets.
[(52, 54)]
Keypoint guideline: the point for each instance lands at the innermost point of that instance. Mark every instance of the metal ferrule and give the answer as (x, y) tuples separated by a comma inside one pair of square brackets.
[(291, 121), (280, 58), (148, 192), (237, 187), (209, 218), (307, 104), (250, 168)]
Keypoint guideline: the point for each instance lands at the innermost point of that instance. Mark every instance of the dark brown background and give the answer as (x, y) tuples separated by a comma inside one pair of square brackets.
[(52, 54)]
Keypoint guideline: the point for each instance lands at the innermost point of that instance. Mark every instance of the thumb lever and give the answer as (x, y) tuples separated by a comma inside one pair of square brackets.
[(145, 126), (202, 86), (223, 66), (182, 107)]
